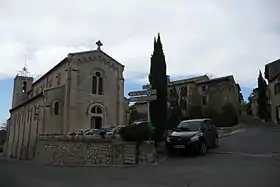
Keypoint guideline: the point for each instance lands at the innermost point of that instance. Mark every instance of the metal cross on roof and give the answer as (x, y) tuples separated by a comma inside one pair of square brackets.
[(99, 44), (24, 72)]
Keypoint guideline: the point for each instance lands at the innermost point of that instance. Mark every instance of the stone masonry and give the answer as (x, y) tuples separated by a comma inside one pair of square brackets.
[(89, 151)]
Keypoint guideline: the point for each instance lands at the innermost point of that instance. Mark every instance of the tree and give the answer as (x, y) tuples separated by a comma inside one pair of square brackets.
[(228, 117), (262, 98), (248, 105), (158, 81), (175, 113)]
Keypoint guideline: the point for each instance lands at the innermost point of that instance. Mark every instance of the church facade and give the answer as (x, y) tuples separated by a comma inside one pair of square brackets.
[(84, 90)]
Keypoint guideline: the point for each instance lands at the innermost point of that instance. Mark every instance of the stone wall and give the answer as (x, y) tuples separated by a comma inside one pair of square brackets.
[(89, 151)]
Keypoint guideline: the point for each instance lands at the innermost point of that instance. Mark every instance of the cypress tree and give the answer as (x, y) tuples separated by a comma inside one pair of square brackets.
[(262, 98), (158, 81)]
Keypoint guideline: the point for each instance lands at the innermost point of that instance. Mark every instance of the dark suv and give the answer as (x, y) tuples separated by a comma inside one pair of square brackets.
[(193, 135)]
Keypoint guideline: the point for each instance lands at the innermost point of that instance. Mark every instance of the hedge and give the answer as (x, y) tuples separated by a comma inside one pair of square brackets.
[(228, 117), (140, 132)]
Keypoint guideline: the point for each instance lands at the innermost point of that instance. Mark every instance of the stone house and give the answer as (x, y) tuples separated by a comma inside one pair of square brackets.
[(201, 91), (205, 92), (181, 86), (186, 91), (84, 90), (138, 111), (272, 74), (218, 92)]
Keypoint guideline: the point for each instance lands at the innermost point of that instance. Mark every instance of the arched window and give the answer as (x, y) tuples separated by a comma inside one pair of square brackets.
[(96, 119), (96, 110), (94, 85), (56, 108), (100, 86), (97, 84), (24, 85)]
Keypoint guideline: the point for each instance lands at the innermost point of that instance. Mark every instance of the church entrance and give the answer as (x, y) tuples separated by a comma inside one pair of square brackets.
[(96, 122), (96, 117)]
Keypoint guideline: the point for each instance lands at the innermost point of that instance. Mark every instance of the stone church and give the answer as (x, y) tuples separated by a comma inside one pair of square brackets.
[(84, 90)]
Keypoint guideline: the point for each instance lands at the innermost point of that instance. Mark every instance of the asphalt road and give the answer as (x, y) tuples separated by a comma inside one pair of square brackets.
[(248, 158)]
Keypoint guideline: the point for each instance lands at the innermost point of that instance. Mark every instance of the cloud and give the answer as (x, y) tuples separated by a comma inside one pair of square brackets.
[(214, 37)]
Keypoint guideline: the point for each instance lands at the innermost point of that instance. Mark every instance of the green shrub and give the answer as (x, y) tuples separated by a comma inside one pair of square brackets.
[(229, 116), (140, 132), (195, 112), (212, 114)]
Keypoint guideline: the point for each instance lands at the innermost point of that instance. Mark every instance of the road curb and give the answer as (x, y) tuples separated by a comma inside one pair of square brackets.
[(258, 155), (232, 133), (34, 162)]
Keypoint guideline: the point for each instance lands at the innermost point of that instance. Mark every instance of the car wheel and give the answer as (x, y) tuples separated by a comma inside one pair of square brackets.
[(202, 148), (216, 141)]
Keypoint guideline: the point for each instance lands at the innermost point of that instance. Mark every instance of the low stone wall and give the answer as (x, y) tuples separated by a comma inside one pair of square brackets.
[(89, 151), (147, 153)]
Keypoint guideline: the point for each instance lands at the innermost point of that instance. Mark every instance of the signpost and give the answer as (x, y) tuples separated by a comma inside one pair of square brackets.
[(143, 98), (147, 94), (142, 92), (147, 87)]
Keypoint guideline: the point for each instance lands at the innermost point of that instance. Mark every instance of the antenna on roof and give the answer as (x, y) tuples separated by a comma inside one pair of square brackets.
[(210, 75), (24, 71)]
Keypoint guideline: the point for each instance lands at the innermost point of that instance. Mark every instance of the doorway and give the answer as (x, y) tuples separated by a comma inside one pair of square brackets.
[(278, 114), (96, 122)]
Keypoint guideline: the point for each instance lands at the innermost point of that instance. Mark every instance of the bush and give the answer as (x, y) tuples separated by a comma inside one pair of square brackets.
[(229, 116), (212, 114), (139, 132), (195, 112)]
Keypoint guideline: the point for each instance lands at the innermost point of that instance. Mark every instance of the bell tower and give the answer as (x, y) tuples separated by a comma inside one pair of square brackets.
[(22, 84)]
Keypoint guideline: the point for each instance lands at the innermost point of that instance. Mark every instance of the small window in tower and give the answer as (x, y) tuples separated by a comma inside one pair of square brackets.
[(56, 108), (204, 88), (24, 85), (58, 79), (50, 83), (204, 100)]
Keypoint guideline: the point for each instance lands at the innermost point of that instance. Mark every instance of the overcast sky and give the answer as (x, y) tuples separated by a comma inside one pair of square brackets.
[(217, 37)]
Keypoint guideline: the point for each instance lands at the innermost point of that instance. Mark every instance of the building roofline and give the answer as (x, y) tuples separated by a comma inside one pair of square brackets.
[(226, 78), (266, 71), (187, 80), (238, 86), (274, 77), (51, 70), (27, 101), (66, 59), (272, 62), (90, 51)]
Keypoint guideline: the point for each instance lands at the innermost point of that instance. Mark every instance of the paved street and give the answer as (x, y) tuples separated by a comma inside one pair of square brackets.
[(248, 158)]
